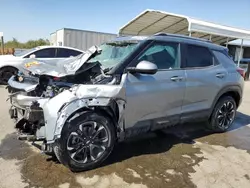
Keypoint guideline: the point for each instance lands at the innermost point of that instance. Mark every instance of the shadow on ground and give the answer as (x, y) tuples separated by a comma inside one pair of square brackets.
[(163, 141)]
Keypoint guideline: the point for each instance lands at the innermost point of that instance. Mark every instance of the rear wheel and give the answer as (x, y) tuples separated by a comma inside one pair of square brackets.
[(223, 114), (86, 141), (6, 73)]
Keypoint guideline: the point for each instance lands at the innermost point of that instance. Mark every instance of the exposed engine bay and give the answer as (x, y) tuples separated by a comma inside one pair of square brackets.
[(50, 86), (26, 109)]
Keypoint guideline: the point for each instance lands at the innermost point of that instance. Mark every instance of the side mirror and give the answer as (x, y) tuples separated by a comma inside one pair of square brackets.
[(32, 56), (144, 67)]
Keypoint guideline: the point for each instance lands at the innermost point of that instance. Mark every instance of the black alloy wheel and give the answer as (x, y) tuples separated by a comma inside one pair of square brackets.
[(223, 114), (86, 141)]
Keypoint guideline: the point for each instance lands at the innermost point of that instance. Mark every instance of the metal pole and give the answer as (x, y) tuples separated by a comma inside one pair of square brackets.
[(2, 42), (190, 34), (240, 52), (227, 42), (210, 37)]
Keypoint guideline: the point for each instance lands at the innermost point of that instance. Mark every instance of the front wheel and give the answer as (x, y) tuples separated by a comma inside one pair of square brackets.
[(223, 114), (86, 141)]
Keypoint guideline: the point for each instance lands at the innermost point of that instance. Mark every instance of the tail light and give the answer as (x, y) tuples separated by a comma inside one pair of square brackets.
[(56, 78), (241, 72)]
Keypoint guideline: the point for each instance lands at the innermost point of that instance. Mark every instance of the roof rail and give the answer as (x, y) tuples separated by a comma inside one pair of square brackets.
[(182, 36)]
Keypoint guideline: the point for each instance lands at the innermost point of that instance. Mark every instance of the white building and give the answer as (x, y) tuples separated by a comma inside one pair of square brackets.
[(80, 39)]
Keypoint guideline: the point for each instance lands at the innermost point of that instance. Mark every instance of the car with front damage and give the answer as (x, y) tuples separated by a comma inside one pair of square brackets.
[(145, 84)]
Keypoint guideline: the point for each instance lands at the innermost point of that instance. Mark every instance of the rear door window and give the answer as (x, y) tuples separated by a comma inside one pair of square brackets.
[(198, 56), (64, 53)]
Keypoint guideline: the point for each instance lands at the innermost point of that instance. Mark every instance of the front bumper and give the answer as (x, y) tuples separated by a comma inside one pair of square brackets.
[(25, 107), (20, 101)]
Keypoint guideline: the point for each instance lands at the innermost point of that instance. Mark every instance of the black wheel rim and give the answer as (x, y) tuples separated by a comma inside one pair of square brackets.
[(88, 143), (225, 115)]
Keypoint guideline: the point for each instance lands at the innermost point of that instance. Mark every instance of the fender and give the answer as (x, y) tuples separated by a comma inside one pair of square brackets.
[(78, 107)]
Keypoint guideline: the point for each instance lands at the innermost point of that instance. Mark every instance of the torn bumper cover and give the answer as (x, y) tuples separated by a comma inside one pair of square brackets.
[(23, 106), (20, 101), (67, 104)]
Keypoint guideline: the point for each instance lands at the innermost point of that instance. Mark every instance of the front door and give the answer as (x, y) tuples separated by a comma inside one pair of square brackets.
[(156, 99)]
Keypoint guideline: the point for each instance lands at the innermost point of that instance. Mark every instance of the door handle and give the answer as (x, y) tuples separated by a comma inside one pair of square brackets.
[(220, 75), (176, 78)]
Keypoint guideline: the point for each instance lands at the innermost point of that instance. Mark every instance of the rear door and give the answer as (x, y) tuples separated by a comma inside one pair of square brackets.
[(204, 79), (156, 99)]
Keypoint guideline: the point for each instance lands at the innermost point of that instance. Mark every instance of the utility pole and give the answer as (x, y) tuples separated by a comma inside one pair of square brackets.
[(2, 42), (240, 54)]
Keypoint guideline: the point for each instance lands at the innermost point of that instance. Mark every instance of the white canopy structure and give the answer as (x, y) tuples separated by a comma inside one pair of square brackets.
[(151, 22)]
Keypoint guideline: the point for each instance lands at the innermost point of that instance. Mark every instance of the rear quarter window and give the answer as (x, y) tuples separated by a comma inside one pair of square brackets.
[(224, 59)]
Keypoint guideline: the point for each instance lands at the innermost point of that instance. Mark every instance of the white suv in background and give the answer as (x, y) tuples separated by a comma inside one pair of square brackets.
[(9, 64)]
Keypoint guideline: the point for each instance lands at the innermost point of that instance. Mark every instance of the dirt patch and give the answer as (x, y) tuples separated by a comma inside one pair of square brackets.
[(12, 148), (106, 181), (238, 135), (147, 160), (12, 153), (141, 163), (42, 171), (223, 167)]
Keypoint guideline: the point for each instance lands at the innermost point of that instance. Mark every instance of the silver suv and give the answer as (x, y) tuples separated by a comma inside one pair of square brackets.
[(146, 84)]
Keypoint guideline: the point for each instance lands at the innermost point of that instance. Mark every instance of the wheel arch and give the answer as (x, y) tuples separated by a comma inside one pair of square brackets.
[(110, 110), (8, 66), (234, 91)]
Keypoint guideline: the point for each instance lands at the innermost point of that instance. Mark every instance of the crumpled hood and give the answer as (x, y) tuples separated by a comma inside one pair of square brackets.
[(59, 68)]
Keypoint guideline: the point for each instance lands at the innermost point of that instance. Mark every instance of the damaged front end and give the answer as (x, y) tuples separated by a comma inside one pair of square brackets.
[(58, 97), (40, 118), (39, 81), (56, 112), (27, 112)]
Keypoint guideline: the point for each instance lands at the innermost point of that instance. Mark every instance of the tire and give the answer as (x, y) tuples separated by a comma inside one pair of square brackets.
[(73, 149), (6, 73), (223, 114)]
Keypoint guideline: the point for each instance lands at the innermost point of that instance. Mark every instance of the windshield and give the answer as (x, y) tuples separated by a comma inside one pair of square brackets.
[(24, 52), (113, 53)]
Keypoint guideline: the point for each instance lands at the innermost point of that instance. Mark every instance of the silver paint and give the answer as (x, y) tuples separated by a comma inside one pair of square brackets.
[(81, 96)]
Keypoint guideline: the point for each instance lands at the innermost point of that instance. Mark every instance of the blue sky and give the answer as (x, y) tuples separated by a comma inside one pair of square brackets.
[(32, 19)]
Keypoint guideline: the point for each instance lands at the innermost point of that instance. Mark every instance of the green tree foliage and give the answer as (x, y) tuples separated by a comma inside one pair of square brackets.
[(27, 45)]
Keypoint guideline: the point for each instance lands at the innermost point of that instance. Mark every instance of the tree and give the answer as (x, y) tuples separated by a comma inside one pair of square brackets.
[(29, 44)]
